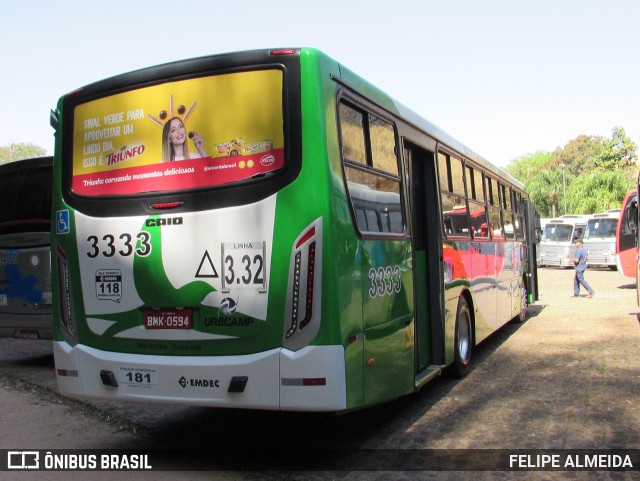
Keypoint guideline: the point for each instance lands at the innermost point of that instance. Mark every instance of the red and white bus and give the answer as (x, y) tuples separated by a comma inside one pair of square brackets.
[(627, 236)]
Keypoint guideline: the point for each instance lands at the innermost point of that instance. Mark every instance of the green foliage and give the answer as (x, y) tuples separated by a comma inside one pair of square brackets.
[(620, 151), (606, 190), (595, 173), (546, 189), (13, 152), (527, 166)]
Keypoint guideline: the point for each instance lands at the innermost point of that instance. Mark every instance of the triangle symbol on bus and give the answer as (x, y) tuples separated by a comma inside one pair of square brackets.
[(206, 268)]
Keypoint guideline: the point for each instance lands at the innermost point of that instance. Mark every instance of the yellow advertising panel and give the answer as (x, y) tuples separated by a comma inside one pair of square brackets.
[(180, 135)]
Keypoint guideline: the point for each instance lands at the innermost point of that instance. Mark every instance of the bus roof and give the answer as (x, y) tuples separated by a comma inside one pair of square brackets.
[(352, 79), (570, 218), (26, 164), (610, 214)]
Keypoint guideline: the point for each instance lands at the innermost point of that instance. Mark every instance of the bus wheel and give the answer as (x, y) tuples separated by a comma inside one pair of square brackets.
[(522, 315), (463, 340)]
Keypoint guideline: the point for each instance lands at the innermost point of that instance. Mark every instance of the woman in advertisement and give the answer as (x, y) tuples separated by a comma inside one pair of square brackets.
[(174, 142)]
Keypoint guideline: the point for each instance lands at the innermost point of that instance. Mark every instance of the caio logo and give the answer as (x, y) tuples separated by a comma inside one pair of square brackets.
[(160, 221)]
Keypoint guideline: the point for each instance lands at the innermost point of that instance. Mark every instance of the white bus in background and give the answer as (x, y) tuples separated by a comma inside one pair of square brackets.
[(600, 238), (557, 246), (543, 223)]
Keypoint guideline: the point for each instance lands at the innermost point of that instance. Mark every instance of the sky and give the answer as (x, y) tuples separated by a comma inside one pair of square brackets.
[(505, 77)]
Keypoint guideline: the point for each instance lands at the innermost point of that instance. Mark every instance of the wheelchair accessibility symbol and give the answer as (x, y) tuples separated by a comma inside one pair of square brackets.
[(62, 222)]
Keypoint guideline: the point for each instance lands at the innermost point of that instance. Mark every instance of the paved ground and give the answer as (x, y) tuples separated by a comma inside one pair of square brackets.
[(567, 378)]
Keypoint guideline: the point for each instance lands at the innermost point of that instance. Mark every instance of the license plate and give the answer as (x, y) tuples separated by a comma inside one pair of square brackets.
[(26, 334), (168, 319)]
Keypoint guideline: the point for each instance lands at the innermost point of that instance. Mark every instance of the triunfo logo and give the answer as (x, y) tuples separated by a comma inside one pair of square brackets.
[(125, 153)]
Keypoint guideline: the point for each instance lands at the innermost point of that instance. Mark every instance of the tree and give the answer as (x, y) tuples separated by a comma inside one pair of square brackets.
[(579, 155), (620, 151), (13, 152), (543, 183), (546, 190), (598, 191), (598, 171), (525, 167)]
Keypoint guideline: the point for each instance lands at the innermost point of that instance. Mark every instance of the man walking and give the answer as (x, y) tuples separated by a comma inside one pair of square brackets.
[(580, 261)]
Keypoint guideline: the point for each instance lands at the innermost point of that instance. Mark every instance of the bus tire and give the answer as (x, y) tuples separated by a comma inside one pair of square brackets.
[(463, 345), (522, 315)]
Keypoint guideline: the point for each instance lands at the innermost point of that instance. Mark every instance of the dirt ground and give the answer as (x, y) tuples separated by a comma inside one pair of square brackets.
[(567, 378)]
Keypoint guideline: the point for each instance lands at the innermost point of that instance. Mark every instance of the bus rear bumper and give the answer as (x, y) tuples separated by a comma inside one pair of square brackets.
[(311, 379), (26, 326)]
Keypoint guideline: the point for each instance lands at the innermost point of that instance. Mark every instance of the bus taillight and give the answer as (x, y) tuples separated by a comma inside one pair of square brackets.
[(166, 205), (302, 313), (311, 264), (64, 289), (283, 51)]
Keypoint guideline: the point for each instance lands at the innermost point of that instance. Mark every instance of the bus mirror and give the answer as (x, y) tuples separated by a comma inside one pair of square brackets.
[(53, 120)]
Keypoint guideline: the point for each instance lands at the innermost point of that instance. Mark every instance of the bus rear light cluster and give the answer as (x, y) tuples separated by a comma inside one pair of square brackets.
[(310, 271), (302, 312), (295, 297), (310, 278), (64, 289)]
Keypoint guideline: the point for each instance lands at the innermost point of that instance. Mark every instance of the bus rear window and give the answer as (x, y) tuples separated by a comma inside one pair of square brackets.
[(187, 134), (25, 197)]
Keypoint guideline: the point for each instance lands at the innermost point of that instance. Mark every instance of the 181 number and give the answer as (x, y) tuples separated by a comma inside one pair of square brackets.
[(138, 377)]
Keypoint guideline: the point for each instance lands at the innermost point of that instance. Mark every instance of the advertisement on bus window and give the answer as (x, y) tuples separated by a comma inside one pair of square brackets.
[(180, 135)]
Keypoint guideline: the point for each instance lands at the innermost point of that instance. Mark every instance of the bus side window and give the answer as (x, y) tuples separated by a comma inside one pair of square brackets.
[(518, 211), (507, 212), (630, 225), (352, 135), (453, 202), (493, 200), (495, 223), (579, 234), (371, 171), (478, 218)]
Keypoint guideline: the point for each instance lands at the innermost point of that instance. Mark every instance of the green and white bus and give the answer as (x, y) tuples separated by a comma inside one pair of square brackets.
[(267, 230)]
